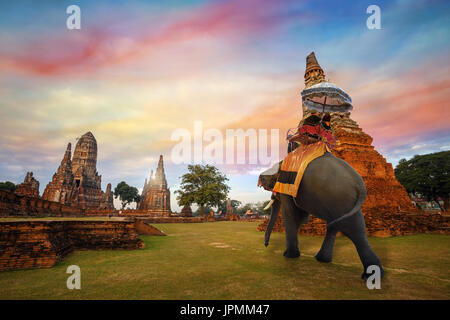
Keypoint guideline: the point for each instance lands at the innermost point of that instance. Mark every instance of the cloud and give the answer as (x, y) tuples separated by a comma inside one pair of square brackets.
[(230, 64), (82, 52), (399, 110), (413, 109)]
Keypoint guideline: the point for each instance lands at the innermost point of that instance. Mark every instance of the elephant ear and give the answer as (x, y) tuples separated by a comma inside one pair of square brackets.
[(268, 178)]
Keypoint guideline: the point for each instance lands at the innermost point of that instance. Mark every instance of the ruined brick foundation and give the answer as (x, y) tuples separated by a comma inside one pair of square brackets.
[(14, 205), (385, 225), (42, 244)]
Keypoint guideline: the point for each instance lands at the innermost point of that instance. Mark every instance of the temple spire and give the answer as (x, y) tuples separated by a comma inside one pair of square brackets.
[(155, 197), (160, 176), (68, 154), (66, 163), (313, 73)]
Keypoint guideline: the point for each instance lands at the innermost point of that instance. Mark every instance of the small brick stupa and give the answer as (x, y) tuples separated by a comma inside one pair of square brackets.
[(186, 211), (385, 195)]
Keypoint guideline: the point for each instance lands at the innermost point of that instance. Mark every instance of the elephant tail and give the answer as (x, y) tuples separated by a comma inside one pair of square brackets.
[(361, 198), (273, 217)]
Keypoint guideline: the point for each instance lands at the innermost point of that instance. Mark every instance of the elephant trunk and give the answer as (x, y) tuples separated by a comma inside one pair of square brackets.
[(273, 217)]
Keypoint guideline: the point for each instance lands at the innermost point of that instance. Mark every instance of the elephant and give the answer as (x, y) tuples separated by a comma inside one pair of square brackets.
[(331, 190)]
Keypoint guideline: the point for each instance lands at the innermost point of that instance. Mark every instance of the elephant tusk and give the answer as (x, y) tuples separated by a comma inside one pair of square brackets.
[(269, 204)]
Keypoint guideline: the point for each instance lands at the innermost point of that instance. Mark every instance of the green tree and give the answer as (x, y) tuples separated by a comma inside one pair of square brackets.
[(127, 194), (243, 209), (427, 175), (197, 213), (203, 185), (234, 204), (8, 186)]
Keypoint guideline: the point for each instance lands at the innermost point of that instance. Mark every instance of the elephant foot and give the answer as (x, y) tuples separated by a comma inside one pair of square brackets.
[(365, 275), (321, 257), (292, 253)]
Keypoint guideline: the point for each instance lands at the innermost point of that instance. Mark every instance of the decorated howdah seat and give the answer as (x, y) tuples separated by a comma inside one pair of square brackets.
[(294, 165), (306, 142), (285, 177), (313, 129)]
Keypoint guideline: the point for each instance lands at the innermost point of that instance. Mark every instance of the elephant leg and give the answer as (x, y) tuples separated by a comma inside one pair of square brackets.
[(325, 253), (354, 228), (301, 217), (290, 222)]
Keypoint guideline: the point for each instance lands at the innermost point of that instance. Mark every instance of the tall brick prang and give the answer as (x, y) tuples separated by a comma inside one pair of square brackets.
[(76, 182), (155, 197)]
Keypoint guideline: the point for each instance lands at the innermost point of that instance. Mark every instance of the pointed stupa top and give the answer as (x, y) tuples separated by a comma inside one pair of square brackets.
[(88, 135), (67, 154), (160, 176), (65, 168), (313, 73)]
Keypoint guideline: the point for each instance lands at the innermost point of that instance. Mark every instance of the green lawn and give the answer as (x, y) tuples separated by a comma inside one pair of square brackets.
[(228, 260)]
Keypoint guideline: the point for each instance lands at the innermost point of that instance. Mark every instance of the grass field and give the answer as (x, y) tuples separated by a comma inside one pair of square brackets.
[(228, 260)]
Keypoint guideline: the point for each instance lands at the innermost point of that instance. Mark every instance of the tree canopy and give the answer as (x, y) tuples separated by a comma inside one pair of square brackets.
[(204, 185), (427, 175), (234, 204), (256, 207), (8, 186), (127, 194)]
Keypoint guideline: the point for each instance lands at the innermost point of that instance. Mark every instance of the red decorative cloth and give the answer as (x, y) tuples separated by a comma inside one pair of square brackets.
[(316, 131)]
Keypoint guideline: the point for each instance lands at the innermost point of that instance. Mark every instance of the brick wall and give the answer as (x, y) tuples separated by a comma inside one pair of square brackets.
[(380, 224), (101, 212), (144, 213), (173, 219), (12, 204), (41, 244)]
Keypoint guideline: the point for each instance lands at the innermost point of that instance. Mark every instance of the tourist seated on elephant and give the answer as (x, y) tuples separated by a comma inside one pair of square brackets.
[(313, 129)]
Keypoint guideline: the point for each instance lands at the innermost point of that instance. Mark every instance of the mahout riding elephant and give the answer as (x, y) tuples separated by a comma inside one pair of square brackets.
[(333, 191)]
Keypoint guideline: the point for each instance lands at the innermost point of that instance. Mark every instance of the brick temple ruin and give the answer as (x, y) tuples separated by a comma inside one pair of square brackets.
[(155, 197), (387, 201), (76, 182), (229, 214), (29, 187), (41, 244), (186, 211)]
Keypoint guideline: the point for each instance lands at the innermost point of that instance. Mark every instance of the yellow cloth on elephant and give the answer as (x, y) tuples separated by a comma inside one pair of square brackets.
[(294, 165)]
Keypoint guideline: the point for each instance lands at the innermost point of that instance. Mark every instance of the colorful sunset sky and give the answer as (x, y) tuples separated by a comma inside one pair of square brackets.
[(139, 70)]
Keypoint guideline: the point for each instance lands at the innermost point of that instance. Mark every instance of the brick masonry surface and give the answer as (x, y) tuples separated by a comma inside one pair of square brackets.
[(42, 244)]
